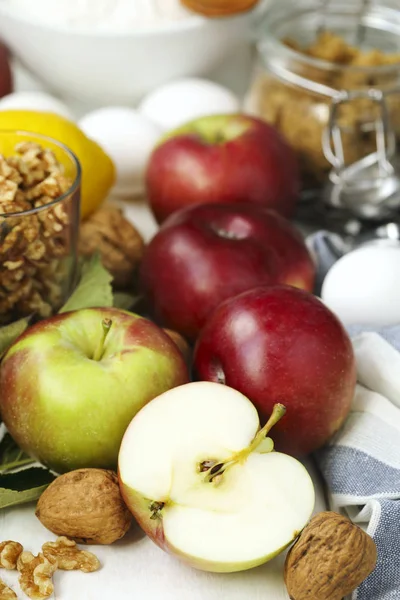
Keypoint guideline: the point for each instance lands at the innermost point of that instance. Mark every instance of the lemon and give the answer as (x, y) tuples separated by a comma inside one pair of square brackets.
[(98, 171)]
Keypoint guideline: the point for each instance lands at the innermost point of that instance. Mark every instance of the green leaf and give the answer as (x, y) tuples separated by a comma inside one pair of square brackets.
[(125, 301), (94, 288), (9, 333), (11, 456), (24, 486)]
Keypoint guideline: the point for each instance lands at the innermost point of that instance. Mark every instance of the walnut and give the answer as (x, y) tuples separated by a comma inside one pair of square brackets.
[(32, 178), (120, 245), (329, 560), (9, 554), (69, 557), (35, 575), (6, 593), (85, 505)]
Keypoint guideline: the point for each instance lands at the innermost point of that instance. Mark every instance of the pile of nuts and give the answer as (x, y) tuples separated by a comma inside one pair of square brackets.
[(36, 572), (33, 247)]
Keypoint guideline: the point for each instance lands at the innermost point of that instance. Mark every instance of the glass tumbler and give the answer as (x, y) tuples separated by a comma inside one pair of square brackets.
[(40, 182)]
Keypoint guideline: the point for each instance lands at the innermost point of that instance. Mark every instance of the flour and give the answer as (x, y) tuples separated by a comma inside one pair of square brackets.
[(100, 14)]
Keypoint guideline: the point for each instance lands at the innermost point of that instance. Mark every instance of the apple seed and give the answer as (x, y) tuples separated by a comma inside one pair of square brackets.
[(155, 509), (206, 465)]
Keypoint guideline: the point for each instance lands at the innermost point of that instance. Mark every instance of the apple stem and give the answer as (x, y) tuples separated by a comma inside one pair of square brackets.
[(106, 326), (278, 412)]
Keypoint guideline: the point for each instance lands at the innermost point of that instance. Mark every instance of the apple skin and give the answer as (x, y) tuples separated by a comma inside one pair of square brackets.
[(153, 528), (6, 80), (222, 158), (69, 411), (281, 344), (182, 344), (206, 254)]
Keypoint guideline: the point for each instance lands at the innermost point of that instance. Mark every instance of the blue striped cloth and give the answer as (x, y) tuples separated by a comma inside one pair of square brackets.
[(361, 465)]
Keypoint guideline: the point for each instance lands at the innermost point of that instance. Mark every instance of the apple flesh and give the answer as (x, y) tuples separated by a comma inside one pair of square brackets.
[(203, 482), (6, 81), (222, 158), (208, 253), (69, 389), (281, 344)]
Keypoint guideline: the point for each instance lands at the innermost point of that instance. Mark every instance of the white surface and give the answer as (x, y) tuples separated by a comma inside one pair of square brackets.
[(110, 68), (135, 568)]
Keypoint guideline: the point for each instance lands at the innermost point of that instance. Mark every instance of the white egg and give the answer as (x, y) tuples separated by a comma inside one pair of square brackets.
[(181, 101), (128, 138), (363, 287), (37, 101)]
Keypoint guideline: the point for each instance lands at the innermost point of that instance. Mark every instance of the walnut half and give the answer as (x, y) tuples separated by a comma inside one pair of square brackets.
[(329, 560)]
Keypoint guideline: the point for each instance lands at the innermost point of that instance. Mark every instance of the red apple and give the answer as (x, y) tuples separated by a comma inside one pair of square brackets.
[(6, 84), (281, 344), (208, 253), (229, 158)]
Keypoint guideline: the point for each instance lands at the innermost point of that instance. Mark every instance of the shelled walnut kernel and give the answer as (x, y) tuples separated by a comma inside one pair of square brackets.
[(36, 572), (9, 554), (33, 247), (6, 593), (69, 557), (36, 575)]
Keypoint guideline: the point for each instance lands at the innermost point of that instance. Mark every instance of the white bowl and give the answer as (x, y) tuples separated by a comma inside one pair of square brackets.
[(101, 67)]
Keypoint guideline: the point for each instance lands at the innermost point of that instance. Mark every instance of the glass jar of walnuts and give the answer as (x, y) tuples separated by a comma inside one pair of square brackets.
[(328, 77), (39, 222)]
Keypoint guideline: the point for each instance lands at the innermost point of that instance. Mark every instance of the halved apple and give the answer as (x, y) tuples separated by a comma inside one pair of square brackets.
[(203, 481)]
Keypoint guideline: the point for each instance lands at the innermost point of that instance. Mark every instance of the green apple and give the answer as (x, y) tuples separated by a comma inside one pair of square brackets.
[(71, 384), (203, 481)]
